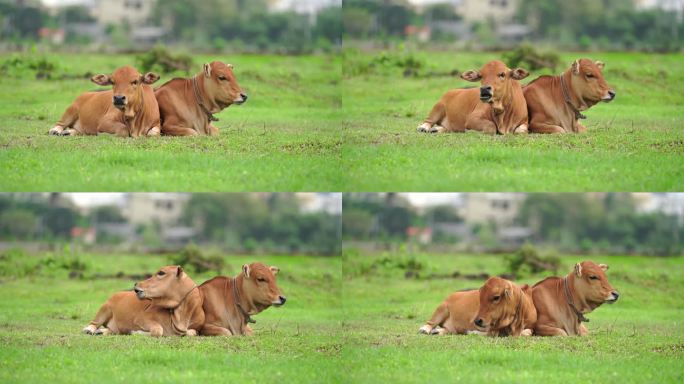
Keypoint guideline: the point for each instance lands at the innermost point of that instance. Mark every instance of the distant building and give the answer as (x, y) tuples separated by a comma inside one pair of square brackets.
[(146, 208), (133, 12), (498, 208), (302, 6)]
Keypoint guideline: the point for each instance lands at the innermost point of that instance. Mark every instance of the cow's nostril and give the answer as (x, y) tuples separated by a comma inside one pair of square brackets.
[(612, 94), (244, 97), (479, 322), (616, 295), (283, 299)]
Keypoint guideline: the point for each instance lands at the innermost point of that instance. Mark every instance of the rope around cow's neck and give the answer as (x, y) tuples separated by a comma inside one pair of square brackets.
[(236, 299), (568, 297), (566, 96), (183, 299), (198, 98)]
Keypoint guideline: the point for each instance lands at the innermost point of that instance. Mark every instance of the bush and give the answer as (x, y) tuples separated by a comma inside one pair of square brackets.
[(526, 56), (159, 59), (25, 65), (528, 260), (192, 258)]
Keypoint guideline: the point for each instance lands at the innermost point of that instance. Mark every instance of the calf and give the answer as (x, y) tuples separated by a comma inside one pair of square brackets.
[(562, 302), (187, 106), (498, 106), (167, 303), (554, 103), (129, 109), (498, 308), (230, 302)]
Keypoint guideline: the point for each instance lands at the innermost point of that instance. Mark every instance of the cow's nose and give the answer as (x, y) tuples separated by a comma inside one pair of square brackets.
[(479, 322), (119, 100), (611, 93), (616, 295), (136, 289), (283, 299), (485, 92), (244, 97)]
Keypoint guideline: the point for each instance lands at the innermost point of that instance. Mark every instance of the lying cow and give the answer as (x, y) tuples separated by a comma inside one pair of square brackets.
[(498, 106), (187, 106), (129, 109), (499, 308), (555, 103), (230, 302), (562, 302), (167, 303)]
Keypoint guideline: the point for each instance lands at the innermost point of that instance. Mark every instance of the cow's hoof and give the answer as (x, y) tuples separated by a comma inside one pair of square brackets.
[(154, 132), (89, 330), (526, 332), (65, 133), (191, 332), (425, 330)]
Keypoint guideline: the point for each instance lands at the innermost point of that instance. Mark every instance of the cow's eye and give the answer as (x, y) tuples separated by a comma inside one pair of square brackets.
[(134, 82), (590, 75), (496, 298), (502, 75), (161, 273), (593, 277), (261, 280), (222, 78)]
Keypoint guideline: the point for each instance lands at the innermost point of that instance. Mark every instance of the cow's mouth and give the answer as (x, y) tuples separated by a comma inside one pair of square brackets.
[(486, 98), (120, 106)]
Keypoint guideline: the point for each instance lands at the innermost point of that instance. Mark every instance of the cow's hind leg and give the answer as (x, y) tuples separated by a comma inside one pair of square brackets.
[(178, 130), (545, 128), (434, 118), (69, 117), (520, 129), (214, 330), (547, 330), (482, 125), (104, 314), (438, 318)]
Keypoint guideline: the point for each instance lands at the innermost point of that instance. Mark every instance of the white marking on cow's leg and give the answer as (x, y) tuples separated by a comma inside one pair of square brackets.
[(156, 330), (425, 329), (424, 127), (526, 332), (439, 331), (191, 332), (144, 333), (103, 331), (69, 132), (436, 129), (522, 128), (154, 131), (90, 329), (56, 130), (479, 333)]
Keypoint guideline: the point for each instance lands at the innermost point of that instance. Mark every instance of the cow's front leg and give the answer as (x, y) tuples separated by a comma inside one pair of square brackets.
[(113, 127), (545, 128), (212, 131), (154, 131), (214, 330), (547, 330), (156, 330), (583, 331), (424, 127), (248, 330), (191, 332), (482, 125), (526, 332), (520, 129), (178, 130), (56, 130), (579, 128)]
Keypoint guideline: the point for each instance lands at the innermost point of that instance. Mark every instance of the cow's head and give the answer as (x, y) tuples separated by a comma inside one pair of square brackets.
[(499, 303), (127, 85), (588, 82), (167, 288), (496, 82), (221, 86), (591, 284), (259, 285)]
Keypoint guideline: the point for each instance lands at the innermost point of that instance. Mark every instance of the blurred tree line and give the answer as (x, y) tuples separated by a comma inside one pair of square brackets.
[(568, 222), (233, 222)]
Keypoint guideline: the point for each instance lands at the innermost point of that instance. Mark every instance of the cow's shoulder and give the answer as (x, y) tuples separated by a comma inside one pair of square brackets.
[(175, 82), (546, 280)]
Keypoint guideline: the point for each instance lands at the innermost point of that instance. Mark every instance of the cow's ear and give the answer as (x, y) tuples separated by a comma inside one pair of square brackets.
[(230, 66), (150, 78), (471, 76), (578, 270), (576, 67), (519, 73), (101, 79), (275, 270), (600, 64), (179, 273), (207, 70), (508, 293), (245, 270), (604, 267)]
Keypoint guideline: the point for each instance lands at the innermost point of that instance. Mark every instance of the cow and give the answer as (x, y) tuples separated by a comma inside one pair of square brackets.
[(498, 308), (168, 303), (230, 302), (498, 106), (187, 106), (128, 109), (555, 103), (562, 302)]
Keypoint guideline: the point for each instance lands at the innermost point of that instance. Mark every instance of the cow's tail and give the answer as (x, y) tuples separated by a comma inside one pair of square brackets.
[(438, 318)]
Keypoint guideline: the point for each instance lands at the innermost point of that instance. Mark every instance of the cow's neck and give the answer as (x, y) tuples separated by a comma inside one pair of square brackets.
[(580, 302), (134, 114), (181, 316), (209, 103)]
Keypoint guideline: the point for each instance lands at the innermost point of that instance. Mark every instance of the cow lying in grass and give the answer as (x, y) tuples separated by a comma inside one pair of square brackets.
[(168, 303), (562, 302), (498, 106), (498, 308), (128, 109)]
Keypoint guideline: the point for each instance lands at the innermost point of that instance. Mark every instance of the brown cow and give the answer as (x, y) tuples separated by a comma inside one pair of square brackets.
[(498, 308), (498, 106), (230, 302), (187, 106), (555, 103), (129, 109), (167, 303), (562, 302)]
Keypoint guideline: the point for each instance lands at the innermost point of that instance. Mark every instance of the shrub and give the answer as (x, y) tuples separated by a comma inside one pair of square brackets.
[(159, 59), (528, 260), (526, 56), (192, 258)]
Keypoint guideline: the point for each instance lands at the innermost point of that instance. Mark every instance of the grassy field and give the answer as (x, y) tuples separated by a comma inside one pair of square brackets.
[(638, 339), (635, 143), (42, 314), (285, 138)]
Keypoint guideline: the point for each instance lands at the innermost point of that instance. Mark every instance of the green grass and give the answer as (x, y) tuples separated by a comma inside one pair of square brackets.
[(638, 339), (285, 138), (41, 317), (634, 143)]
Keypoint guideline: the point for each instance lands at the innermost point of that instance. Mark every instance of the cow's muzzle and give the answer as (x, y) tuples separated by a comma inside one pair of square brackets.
[(241, 100), (281, 300), (139, 292), (486, 93), (479, 322), (610, 97), (613, 297), (119, 101)]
